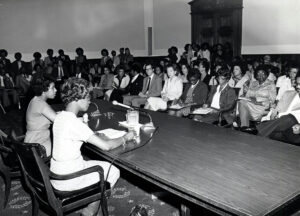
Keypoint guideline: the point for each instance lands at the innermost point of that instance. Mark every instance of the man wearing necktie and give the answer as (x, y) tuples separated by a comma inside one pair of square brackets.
[(152, 86)]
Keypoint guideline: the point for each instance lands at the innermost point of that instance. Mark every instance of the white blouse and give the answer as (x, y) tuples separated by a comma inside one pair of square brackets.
[(124, 83), (172, 88), (284, 84)]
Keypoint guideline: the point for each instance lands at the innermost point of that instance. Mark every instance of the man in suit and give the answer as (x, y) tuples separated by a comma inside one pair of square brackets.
[(284, 125), (60, 72), (136, 82), (152, 86), (16, 66)]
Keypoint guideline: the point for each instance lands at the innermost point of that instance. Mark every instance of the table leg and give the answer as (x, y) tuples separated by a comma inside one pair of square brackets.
[(184, 210)]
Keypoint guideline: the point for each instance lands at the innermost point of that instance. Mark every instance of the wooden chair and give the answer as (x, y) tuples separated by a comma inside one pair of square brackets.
[(37, 177), (9, 165), (221, 122), (1, 105)]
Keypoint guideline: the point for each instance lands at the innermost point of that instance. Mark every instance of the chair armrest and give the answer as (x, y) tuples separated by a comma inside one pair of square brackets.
[(5, 149), (20, 138), (98, 169), (47, 160)]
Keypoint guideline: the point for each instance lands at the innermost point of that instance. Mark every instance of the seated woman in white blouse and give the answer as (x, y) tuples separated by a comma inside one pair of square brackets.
[(172, 90), (287, 82), (69, 133)]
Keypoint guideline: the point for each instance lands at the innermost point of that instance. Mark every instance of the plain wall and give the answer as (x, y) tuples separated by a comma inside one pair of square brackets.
[(271, 26), (172, 24), (27, 26)]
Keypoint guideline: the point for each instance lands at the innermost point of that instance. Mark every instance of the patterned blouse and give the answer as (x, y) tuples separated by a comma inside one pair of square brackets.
[(265, 93)]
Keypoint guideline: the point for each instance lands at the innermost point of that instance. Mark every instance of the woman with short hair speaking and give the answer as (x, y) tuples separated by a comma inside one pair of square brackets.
[(69, 133)]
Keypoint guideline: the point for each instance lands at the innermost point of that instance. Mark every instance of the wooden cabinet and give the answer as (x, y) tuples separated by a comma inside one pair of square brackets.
[(217, 21)]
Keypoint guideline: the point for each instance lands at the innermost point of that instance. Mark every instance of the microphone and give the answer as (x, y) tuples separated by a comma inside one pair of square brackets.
[(122, 105), (148, 127)]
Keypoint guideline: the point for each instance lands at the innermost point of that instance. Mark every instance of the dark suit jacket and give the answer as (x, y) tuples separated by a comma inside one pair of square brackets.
[(155, 86), (227, 98), (65, 58), (84, 76), (134, 88), (199, 94), (14, 69), (55, 72)]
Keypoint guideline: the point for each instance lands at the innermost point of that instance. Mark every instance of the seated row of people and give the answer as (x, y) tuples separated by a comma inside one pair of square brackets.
[(248, 96)]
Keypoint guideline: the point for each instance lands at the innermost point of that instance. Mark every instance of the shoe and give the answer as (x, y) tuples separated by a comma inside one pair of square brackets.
[(249, 130)]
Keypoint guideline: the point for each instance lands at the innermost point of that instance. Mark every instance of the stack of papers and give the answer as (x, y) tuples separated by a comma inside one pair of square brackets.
[(202, 111), (112, 133)]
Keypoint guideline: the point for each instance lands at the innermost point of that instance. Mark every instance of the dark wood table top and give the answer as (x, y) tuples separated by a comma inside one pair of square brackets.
[(221, 169)]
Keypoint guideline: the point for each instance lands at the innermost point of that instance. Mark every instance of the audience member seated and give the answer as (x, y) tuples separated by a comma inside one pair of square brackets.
[(8, 92), (172, 54), (17, 66), (40, 115), (222, 98), (136, 82), (62, 56), (37, 60), (204, 51), (65, 59), (238, 77), (187, 56), (259, 98), (60, 71), (194, 95), (172, 90), (37, 73), (80, 59), (95, 73), (119, 85), (106, 83), (4, 61), (285, 118), (287, 82), (81, 72), (185, 68), (128, 57), (105, 57), (115, 59), (49, 60), (69, 133), (23, 81), (159, 71), (152, 86), (122, 55), (203, 66)]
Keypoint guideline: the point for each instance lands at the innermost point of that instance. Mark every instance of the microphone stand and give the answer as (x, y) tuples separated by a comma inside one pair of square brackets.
[(148, 127)]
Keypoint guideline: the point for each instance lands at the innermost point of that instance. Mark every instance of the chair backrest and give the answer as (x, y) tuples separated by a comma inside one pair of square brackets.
[(7, 156), (36, 174)]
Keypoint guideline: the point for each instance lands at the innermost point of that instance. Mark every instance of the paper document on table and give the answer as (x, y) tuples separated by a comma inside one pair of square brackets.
[(202, 111), (244, 98), (125, 124), (177, 106), (112, 133)]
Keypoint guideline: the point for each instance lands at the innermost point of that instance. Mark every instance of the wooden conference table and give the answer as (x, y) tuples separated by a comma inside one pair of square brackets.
[(225, 171)]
